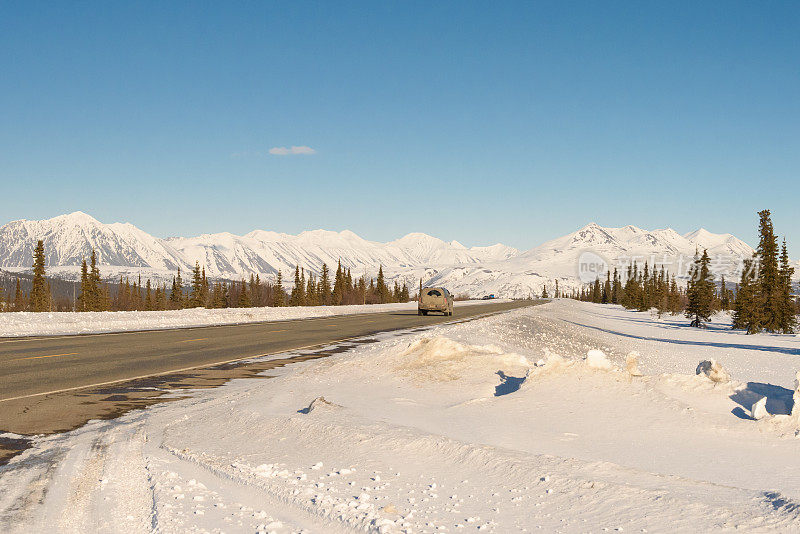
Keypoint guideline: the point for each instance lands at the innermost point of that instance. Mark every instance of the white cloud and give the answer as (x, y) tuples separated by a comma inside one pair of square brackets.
[(292, 151)]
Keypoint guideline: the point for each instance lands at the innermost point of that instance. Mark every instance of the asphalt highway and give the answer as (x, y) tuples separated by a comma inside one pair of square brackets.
[(32, 367)]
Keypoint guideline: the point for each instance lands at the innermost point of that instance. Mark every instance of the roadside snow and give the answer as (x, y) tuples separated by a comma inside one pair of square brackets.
[(502, 424), (19, 324)]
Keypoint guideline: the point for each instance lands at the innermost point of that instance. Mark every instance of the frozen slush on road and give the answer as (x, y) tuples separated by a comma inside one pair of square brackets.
[(567, 417)]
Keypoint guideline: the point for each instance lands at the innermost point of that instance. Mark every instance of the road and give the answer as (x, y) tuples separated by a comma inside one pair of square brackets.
[(33, 367)]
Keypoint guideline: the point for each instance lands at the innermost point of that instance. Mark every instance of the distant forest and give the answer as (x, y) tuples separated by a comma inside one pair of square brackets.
[(22, 291)]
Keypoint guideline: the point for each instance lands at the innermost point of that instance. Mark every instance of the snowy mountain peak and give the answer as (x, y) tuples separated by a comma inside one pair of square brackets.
[(700, 233), (77, 218)]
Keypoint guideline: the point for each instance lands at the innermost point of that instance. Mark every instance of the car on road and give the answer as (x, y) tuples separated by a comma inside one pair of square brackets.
[(435, 299)]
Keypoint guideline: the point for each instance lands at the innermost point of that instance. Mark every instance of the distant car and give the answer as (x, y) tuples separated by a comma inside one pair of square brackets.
[(486, 297), (435, 299)]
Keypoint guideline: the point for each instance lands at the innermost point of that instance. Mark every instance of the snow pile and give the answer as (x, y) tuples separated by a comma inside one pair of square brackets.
[(759, 409), (632, 364), (440, 359), (796, 397), (712, 370), (597, 359)]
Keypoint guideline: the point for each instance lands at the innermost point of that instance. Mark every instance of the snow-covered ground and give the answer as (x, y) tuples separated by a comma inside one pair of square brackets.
[(499, 424), (18, 324)]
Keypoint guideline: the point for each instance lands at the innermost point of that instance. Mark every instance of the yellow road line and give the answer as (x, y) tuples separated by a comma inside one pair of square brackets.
[(48, 356), (190, 340)]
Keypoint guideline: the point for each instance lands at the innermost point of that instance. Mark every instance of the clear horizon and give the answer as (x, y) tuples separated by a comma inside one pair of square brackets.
[(515, 123)]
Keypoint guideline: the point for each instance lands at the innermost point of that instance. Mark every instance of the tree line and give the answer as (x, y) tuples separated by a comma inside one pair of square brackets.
[(327, 289), (762, 301)]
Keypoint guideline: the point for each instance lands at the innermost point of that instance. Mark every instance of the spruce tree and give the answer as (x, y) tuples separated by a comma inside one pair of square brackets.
[(381, 287), (338, 286), (324, 292), (204, 289), (244, 297), (724, 297), (40, 296), (673, 297), (606, 298), (404, 296), (312, 298), (220, 296), (82, 304), (700, 292), (176, 296), (278, 294), (19, 298), (746, 313), (298, 296), (161, 300), (788, 320), (615, 288), (197, 286), (769, 281)]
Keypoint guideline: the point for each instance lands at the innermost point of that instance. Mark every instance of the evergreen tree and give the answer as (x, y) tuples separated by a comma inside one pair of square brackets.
[(82, 304), (724, 296), (312, 297), (700, 291), (615, 288), (746, 314), (204, 288), (94, 302), (788, 320), (219, 296), (176, 296), (674, 304), (255, 291), (381, 287), (606, 297), (769, 281), (149, 305), (338, 286), (40, 294), (19, 298), (161, 297), (324, 293), (197, 286), (298, 296), (244, 297), (278, 294)]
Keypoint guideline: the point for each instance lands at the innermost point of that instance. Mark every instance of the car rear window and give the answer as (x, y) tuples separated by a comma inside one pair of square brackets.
[(434, 293)]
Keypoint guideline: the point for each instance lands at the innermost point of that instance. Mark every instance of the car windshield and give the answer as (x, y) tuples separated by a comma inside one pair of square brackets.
[(434, 293)]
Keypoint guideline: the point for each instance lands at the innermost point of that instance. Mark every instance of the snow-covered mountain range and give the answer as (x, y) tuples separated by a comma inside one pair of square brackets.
[(123, 249)]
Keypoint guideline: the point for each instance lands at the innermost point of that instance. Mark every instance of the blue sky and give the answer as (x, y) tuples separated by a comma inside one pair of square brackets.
[(481, 122)]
